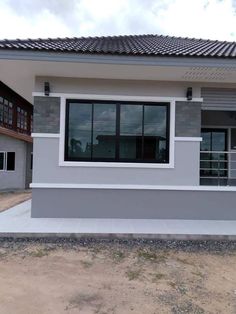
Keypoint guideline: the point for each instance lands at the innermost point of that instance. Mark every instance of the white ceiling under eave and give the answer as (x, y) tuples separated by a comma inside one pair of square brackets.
[(20, 74)]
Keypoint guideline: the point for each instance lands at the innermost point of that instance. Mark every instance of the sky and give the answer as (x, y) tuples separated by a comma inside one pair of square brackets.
[(209, 19)]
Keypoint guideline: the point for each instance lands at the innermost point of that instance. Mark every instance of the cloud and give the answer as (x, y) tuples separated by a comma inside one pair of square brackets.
[(214, 19)]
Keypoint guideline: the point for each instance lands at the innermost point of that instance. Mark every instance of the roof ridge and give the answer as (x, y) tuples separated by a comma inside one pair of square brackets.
[(113, 36)]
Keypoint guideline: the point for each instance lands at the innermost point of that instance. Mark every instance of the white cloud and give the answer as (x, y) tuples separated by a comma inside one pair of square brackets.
[(214, 19)]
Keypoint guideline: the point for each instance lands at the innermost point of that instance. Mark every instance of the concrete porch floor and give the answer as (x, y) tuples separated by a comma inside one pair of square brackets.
[(16, 222)]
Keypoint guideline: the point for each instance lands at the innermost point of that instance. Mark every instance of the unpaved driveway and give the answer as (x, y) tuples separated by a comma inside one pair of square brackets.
[(115, 279), (9, 199)]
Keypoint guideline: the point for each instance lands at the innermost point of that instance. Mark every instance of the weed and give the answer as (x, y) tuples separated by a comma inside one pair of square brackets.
[(80, 300), (133, 274), (86, 264), (39, 253), (157, 277), (152, 256), (198, 273), (184, 261), (118, 256)]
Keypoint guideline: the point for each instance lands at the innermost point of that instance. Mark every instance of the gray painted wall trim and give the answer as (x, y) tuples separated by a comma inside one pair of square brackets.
[(109, 59), (133, 204)]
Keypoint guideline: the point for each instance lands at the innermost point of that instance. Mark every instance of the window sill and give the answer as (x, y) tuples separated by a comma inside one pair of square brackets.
[(114, 165)]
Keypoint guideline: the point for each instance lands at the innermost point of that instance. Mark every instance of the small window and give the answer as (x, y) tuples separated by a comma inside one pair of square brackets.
[(10, 161), (2, 158)]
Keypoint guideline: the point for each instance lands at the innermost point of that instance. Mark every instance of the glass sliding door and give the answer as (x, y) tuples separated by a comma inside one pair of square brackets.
[(213, 159)]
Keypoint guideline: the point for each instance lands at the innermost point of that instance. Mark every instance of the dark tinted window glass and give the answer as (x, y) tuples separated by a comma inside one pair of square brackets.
[(104, 131), (10, 161), (233, 139), (79, 130), (131, 131), (31, 161), (1, 161), (155, 133)]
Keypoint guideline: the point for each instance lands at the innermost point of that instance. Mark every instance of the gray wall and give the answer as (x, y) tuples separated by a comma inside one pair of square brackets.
[(14, 179), (116, 87), (47, 170), (138, 204), (46, 115), (188, 119)]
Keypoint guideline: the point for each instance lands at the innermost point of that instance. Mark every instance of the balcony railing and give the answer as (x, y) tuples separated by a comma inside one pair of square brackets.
[(218, 168)]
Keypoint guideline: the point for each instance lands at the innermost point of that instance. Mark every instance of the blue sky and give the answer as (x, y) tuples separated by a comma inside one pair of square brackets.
[(213, 19)]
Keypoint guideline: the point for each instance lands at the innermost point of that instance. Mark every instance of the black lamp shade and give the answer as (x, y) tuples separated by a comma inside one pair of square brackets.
[(46, 88), (189, 93)]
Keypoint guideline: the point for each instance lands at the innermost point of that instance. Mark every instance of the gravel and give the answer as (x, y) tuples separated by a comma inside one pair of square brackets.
[(218, 247)]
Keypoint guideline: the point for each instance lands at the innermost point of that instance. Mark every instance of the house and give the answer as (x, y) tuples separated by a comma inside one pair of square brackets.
[(15, 140), (129, 126)]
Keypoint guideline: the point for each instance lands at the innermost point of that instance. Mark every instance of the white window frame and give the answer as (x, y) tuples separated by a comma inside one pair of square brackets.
[(63, 163), (4, 160)]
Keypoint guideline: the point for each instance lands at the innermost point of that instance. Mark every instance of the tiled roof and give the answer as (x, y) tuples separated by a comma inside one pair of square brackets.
[(141, 45)]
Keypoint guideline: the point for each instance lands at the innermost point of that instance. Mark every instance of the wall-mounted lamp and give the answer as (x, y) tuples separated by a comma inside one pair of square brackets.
[(46, 88), (189, 93)]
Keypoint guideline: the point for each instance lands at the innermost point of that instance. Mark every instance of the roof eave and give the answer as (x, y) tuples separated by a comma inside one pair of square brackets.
[(150, 60)]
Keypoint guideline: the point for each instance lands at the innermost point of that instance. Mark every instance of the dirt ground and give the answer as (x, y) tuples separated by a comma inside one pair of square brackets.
[(115, 279), (9, 199)]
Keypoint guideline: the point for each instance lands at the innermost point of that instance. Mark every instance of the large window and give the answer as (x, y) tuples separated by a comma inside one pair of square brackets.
[(117, 131)]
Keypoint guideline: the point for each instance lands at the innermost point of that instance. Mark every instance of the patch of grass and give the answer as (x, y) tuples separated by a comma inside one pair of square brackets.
[(2, 255), (118, 256), (198, 274), (172, 284), (152, 256), (184, 261), (86, 264), (82, 299), (133, 274), (39, 253), (187, 307), (180, 287), (157, 277)]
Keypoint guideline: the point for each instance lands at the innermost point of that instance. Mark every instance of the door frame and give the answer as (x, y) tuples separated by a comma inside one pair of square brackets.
[(227, 143)]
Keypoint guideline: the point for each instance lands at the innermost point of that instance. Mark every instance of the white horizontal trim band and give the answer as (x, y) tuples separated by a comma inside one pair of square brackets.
[(55, 135), (188, 139), (133, 187), (97, 164), (116, 97)]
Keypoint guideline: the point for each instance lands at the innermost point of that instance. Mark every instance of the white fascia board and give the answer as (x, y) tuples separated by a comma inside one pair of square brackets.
[(117, 97), (133, 187), (115, 59)]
